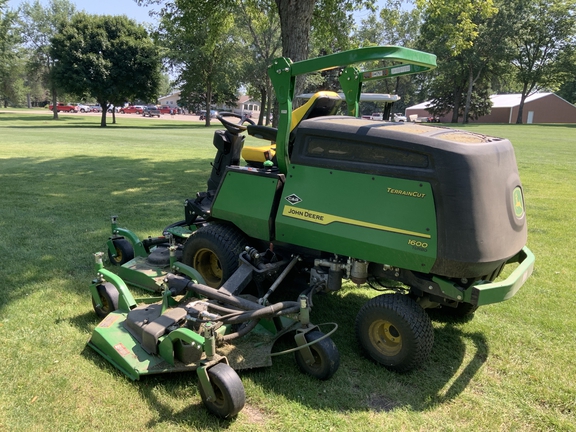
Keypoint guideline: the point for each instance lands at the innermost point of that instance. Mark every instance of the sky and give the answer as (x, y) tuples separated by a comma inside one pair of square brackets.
[(122, 7), (104, 7)]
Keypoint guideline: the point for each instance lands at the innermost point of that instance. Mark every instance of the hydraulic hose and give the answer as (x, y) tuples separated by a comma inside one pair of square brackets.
[(226, 298)]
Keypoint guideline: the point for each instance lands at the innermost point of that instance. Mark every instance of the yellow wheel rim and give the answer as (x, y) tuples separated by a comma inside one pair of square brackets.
[(119, 256), (208, 265), (385, 337)]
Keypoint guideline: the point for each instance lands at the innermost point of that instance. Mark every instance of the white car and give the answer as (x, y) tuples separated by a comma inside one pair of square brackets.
[(399, 117), (377, 116), (83, 108)]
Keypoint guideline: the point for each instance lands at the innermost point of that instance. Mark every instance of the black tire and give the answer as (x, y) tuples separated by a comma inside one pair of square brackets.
[(124, 252), (326, 357), (213, 250), (230, 394), (108, 299), (395, 332)]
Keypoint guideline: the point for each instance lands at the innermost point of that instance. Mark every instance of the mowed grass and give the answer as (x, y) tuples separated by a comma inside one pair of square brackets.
[(510, 368)]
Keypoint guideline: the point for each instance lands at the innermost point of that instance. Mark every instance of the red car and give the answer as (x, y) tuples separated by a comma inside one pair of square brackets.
[(64, 107), (165, 109), (132, 109)]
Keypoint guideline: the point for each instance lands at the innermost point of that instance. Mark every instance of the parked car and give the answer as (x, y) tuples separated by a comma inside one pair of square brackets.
[(83, 108), (165, 109), (151, 111), (113, 108), (95, 108), (399, 117), (377, 116), (132, 109), (62, 107), (213, 114)]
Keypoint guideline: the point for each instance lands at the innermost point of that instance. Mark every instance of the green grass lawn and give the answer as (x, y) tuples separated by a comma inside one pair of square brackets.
[(510, 368)]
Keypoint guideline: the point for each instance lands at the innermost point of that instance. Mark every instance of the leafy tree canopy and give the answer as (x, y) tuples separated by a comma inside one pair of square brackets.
[(109, 58)]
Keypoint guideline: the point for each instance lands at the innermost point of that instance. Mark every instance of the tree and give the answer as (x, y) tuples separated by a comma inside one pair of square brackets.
[(544, 31), (8, 53), (38, 25), (201, 46), (469, 39), (262, 44), (109, 58), (567, 65), (329, 18), (392, 25)]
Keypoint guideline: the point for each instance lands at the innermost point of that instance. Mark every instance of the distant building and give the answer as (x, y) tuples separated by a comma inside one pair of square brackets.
[(538, 108), (170, 100), (244, 105)]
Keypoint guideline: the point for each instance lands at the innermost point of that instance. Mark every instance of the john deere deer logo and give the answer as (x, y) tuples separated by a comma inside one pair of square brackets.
[(518, 202)]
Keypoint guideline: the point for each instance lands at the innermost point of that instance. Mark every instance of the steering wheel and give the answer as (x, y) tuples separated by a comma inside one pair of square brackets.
[(234, 128)]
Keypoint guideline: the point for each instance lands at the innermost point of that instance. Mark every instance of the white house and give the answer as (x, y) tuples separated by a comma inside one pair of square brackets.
[(244, 105), (170, 100)]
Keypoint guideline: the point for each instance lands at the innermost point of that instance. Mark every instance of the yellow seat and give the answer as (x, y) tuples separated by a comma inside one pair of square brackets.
[(322, 103), (258, 155)]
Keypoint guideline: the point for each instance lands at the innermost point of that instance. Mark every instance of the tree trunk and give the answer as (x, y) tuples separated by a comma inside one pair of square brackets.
[(208, 103), (468, 96), (263, 102), (521, 106), (104, 106), (54, 104), (271, 99), (295, 19), (456, 107)]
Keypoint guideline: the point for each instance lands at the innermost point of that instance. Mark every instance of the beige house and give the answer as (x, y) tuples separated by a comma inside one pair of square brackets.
[(244, 105), (170, 100), (538, 108)]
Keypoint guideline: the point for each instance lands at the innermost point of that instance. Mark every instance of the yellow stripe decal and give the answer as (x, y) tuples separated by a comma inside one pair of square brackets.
[(325, 219)]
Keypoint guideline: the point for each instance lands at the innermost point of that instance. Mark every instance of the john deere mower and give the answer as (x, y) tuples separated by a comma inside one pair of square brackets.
[(432, 216)]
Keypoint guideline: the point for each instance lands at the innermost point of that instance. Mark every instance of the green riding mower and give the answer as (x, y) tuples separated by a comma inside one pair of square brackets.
[(432, 216)]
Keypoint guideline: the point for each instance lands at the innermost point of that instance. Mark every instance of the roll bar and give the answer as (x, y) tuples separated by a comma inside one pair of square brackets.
[(283, 74)]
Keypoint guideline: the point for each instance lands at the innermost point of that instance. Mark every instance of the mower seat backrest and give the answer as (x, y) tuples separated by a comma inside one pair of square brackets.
[(323, 103), (229, 148)]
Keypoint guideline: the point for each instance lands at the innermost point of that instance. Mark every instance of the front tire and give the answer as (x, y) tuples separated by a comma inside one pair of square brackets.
[(326, 357), (124, 252), (108, 299), (213, 250), (395, 332), (230, 394)]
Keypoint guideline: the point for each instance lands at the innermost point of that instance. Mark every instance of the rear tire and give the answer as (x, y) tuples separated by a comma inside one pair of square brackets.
[(230, 394), (213, 250), (395, 332)]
